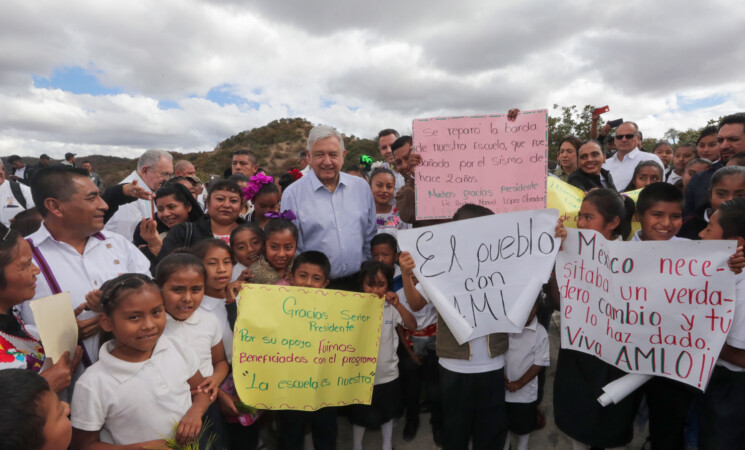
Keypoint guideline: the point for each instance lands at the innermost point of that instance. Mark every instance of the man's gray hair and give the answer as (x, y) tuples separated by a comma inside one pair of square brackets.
[(152, 157), (322, 132)]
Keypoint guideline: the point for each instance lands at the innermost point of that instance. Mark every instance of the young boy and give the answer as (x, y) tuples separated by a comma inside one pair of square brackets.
[(684, 153), (417, 357), (723, 415), (32, 416), (526, 357), (310, 269), (471, 374), (659, 209)]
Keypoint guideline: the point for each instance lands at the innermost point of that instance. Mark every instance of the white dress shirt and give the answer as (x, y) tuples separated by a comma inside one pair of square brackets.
[(125, 220), (106, 256), (623, 171), (9, 205)]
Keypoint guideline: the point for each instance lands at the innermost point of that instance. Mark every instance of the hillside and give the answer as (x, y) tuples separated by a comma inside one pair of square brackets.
[(276, 145)]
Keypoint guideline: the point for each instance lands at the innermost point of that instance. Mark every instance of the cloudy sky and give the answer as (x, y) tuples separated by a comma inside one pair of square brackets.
[(119, 77)]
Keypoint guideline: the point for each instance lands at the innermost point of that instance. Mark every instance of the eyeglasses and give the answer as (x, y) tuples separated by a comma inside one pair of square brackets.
[(627, 136)]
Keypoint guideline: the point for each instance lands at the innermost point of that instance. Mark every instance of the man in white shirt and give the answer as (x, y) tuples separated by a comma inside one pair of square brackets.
[(153, 168), (72, 252), (621, 165), (11, 198)]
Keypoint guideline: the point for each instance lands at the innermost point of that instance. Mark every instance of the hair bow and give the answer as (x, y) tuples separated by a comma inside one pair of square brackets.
[(286, 214), (366, 161), (296, 174), (254, 184)]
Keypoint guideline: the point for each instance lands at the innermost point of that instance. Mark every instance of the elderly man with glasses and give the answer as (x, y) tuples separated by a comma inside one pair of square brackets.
[(153, 169), (628, 154)]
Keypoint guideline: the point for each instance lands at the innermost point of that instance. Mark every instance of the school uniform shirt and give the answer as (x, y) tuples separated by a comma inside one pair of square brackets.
[(638, 237), (527, 348), (424, 317), (135, 402), (387, 366), (106, 256), (200, 332), (237, 269), (9, 206), (128, 216), (623, 171), (736, 335), (480, 360), (671, 177), (216, 307)]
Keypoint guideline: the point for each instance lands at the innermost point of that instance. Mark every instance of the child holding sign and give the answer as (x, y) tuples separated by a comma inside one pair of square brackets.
[(580, 377), (281, 237), (310, 270), (141, 385), (386, 403), (723, 414)]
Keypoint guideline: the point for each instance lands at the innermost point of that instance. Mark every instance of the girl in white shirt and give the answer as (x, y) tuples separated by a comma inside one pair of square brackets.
[(140, 388), (386, 399)]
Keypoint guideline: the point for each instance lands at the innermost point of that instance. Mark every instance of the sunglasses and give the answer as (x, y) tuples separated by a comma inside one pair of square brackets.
[(627, 136)]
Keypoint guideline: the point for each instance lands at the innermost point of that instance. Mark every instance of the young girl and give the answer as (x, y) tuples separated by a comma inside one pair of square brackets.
[(684, 154), (280, 243), (727, 183), (264, 194), (386, 399), (580, 377), (664, 151), (645, 173), (217, 258), (219, 299), (247, 243), (382, 183), (181, 278), (140, 387)]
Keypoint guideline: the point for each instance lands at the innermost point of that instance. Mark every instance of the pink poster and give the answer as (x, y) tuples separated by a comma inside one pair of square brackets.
[(485, 160)]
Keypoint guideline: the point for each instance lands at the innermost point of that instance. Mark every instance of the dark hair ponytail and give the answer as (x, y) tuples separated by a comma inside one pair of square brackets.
[(610, 204)]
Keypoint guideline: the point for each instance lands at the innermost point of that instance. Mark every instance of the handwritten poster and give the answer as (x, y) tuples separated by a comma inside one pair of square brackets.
[(656, 308), (485, 160), (483, 274), (567, 199), (304, 349)]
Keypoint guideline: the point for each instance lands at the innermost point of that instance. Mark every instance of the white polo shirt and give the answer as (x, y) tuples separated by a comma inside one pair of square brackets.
[(125, 219), (9, 205), (387, 367), (216, 306), (623, 171), (200, 332), (106, 256), (526, 349), (135, 402), (425, 316), (736, 335)]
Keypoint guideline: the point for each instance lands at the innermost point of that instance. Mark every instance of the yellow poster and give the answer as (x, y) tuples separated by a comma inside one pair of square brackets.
[(568, 199), (304, 349)]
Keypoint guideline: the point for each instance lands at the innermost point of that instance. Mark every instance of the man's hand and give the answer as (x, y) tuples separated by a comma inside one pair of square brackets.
[(133, 190)]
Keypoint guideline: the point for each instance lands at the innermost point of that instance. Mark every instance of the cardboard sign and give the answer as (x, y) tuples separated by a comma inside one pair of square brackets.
[(304, 349), (483, 275), (656, 307), (485, 160)]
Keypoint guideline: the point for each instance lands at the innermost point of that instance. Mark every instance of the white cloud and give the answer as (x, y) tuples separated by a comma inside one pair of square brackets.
[(361, 66)]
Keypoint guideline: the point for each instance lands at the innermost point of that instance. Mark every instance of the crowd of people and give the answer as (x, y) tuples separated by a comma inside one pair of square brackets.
[(153, 266)]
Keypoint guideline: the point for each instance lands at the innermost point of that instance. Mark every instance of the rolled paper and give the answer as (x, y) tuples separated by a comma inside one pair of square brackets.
[(460, 328), (619, 389)]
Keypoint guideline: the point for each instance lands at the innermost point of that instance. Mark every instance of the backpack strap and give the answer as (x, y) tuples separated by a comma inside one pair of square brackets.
[(15, 188), (54, 286)]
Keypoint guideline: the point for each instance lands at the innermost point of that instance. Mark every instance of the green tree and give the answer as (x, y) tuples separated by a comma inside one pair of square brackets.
[(568, 120)]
